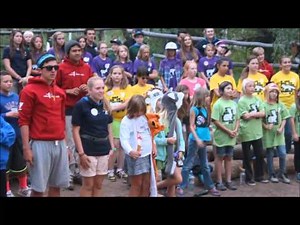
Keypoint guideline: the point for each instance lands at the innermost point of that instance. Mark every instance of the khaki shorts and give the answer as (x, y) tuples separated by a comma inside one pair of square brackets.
[(98, 166)]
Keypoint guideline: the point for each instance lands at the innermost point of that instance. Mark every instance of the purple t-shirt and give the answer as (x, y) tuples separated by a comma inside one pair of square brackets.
[(150, 65), (207, 66), (128, 66), (171, 70), (101, 66), (87, 58)]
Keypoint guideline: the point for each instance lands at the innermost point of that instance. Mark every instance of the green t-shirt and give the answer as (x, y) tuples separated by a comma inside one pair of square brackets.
[(275, 113), (295, 114), (225, 111), (250, 129)]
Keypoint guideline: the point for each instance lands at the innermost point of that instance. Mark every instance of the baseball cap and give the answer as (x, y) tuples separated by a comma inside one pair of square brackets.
[(138, 32), (116, 41)]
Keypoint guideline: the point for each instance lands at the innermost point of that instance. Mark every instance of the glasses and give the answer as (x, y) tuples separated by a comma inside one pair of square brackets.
[(144, 78), (50, 68)]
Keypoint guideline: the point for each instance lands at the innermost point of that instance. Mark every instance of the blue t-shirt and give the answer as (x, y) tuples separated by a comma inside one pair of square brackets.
[(9, 103), (202, 124)]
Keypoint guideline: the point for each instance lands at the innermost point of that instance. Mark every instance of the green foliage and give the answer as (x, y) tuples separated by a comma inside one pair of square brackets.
[(284, 37)]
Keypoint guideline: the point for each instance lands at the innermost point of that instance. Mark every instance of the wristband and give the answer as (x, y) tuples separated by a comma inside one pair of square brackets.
[(114, 149)]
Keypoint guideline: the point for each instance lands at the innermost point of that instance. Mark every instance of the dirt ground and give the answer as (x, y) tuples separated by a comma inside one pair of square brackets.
[(119, 189)]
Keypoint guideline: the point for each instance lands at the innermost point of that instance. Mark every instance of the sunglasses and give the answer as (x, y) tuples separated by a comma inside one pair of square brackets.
[(50, 68), (144, 78)]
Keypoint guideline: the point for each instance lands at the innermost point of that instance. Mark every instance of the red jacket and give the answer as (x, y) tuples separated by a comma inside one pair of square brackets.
[(42, 108), (71, 75), (267, 69)]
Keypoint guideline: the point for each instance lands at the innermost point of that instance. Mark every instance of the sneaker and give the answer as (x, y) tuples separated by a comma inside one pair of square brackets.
[(111, 176), (179, 191), (214, 192), (298, 177), (77, 179), (121, 174), (285, 179), (230, 186), (251, 183), (220, 187), (274, 179), (24, 192), (201, 193), (264, 181), (71, 186), (9, 194)]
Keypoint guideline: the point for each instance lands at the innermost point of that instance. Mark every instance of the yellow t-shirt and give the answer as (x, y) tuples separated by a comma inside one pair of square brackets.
[(260, 81), (214, 83), (117, 96), (288, 85), (141, 90)]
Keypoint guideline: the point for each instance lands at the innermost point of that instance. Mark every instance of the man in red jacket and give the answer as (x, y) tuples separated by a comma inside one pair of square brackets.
[(42, 123), (72, 77)]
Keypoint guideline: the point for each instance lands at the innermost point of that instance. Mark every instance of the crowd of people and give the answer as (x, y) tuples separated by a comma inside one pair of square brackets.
[(79, 112)]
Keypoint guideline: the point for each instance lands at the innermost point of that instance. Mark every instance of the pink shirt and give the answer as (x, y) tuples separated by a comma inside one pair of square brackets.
[(193, 86)]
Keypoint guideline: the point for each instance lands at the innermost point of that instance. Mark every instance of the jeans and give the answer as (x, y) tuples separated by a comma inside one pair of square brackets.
[(188, 164), (282, 156)]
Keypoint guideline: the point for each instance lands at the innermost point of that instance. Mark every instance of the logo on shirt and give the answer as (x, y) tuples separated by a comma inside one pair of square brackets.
[(228, 115), (258, 87), (74, 74), (20, 105), (287, 86), (50, 95), (253, 107), (273, 118)]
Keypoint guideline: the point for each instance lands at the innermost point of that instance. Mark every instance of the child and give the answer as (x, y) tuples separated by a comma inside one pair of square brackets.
[(162, 140), (251, 72), (190, 78), (183, 112), (123, 60), (206, 65), (251, 113), (273, 128), (9, 111), (288, 83), (117, 91), (198, 138), (295, 124), (92, 133), (264, 67), (219, 77), (170, 68), (141, 88), (138, 156), (8, 136), (101, 63), (226, 120)]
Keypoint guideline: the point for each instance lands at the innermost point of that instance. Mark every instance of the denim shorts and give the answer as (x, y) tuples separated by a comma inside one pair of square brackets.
[(138, 166), (224, 151)]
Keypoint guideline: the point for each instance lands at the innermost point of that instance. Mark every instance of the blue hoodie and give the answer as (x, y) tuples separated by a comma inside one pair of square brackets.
[(7, 138), (7, 103)]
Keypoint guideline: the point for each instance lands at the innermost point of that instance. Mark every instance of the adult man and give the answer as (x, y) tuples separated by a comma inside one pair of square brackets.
[(42, 123), (72, 77), (91, 46)]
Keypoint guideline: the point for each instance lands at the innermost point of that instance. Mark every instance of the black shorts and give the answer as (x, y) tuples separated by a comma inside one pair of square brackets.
[(16, 162)]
